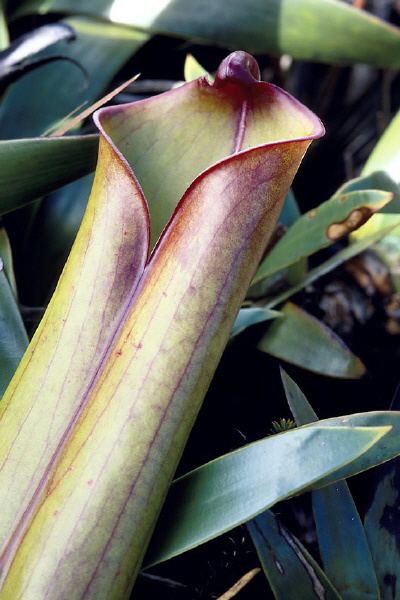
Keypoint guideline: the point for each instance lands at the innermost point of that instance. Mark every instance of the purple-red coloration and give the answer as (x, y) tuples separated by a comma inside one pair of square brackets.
[(234, 147), (239, 67)]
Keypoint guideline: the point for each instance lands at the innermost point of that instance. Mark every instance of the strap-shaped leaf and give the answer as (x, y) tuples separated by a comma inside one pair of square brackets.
[(38, 101), (301, 339), (335, 32), (376, 180), (131, 363), (200, 505), (251, 316), (321, 227), (7, 258), (384, 157), (13, 338), (386, 154), (286, 563), (36, 166), (382, 523), (349, 566), (337, 259), (234, 488)]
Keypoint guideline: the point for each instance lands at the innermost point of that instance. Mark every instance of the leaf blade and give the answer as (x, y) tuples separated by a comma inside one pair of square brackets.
[(36, 166), (286, 562), (302, 340), (321, 227), (39, 100), (13, 338), (259, 28), (234, 488), (337, 520)]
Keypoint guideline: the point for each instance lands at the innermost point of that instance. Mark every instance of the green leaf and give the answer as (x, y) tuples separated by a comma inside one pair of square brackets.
[(34, 167), (234, 488), (382, 528), (300, 408), (20, 57), (348, 566), (52, 234), (39, 100), (193, 69), (339, 258), (286, 563), (251, 316), (386, 154), (13, 338), (185, 519), (290, 211), (382, 525), (384, 157), (377, 180), (301, 339), (6, 257), (335, 32), (381, 452), (321, 227)]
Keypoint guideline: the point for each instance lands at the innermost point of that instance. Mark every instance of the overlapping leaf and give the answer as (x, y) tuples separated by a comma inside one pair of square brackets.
[(384, 157), (251, 316), (43, 97), (382, 523), (19, 58), (36, 166), (224, 493), (236, 487), (349, 567), (286, 563), (336, 32), (321, 227), (337, 259), (13, 338)]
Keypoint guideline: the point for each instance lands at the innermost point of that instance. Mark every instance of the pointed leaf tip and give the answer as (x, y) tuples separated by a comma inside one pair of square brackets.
[(238, 67)]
